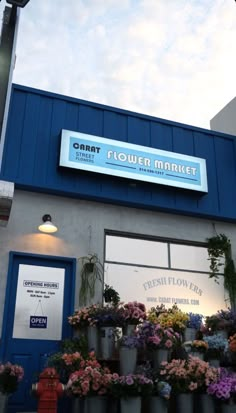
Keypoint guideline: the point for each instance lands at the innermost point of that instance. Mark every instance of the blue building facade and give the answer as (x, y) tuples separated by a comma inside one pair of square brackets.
[(31, 155), (99, 213)]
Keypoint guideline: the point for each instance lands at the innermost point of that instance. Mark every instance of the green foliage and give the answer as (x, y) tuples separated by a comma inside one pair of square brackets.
[(68, 346), (111, 295), (220, 247), (91, 271)]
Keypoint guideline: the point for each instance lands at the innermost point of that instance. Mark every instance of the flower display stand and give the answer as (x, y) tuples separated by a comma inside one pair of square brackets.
[(129, 329), (158, 405), (130, 405), (128, 360), (185, 403), (93, 339), (214, 362), (95, 404), (205, 403), (228, 408), (107, 342), (197, 354), (3, 402), (159, 355), (189, 334)]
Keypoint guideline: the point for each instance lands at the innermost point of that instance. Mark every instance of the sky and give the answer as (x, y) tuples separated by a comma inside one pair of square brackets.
[(172, 59)]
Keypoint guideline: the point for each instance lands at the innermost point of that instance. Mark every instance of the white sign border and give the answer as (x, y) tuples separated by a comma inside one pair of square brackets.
[(64, 161)]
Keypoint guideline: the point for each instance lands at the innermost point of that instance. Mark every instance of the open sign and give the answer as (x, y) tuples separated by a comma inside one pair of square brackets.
[(38, 321)]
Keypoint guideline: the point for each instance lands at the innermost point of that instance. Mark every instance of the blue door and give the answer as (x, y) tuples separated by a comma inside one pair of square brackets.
[(39, 298)]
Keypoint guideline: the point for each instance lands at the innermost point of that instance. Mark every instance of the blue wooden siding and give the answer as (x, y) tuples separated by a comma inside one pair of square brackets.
[(31, 155)]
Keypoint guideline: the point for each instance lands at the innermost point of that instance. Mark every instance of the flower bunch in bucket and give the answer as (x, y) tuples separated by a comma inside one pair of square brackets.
[(191, 375), (10, 377), (173, 317), (200, 346), (67, 363), (232, 343), (225, 387), (161, 337), (84, 317), (133, 312), (217, 345), (131, 385), (194, 321), (90, 381)]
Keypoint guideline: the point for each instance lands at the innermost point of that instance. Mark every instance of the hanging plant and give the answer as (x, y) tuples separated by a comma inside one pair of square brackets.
[(219, 249), (111, 295), (91, 271)]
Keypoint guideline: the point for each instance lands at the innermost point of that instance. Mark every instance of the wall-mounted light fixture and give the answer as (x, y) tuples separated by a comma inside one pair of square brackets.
[(47, 225)]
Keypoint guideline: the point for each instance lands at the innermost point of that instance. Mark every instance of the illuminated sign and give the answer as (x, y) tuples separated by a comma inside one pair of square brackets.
[(106, 156)]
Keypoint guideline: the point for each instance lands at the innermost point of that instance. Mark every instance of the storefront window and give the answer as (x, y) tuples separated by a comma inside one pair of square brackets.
[(162, 272)]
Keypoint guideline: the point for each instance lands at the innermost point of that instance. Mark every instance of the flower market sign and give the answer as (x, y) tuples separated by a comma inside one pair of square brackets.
[(106, 156)]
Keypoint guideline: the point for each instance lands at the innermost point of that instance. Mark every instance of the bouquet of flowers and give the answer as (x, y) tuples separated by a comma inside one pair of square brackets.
[(109, 315), (10, 377), (222, 320), (67, 363), (194, 321), (133, 313), (199, 346), (161, 389), (190, 375), (225, 387), (90, 381), (154, 312), (216, 345), (131, 385), (84, 317), (162, 338), (173, 317), (130, 341), (232, 343)]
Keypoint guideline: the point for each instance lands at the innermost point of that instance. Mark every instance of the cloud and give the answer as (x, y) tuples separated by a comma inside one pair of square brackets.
[(169, 59)]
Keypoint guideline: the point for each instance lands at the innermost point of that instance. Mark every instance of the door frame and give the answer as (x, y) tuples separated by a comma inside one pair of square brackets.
[(13, 255)]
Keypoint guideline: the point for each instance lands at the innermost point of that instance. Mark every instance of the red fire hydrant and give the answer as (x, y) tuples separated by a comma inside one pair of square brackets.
[(48, 389)]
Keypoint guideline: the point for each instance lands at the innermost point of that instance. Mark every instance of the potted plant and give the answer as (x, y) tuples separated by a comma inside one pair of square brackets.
[(220, 256), (130, 389), (91, 271), (10, 377), (111, 295)]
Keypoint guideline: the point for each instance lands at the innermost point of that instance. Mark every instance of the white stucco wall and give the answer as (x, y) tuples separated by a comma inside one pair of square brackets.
[(74, 219), (225, 120)]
